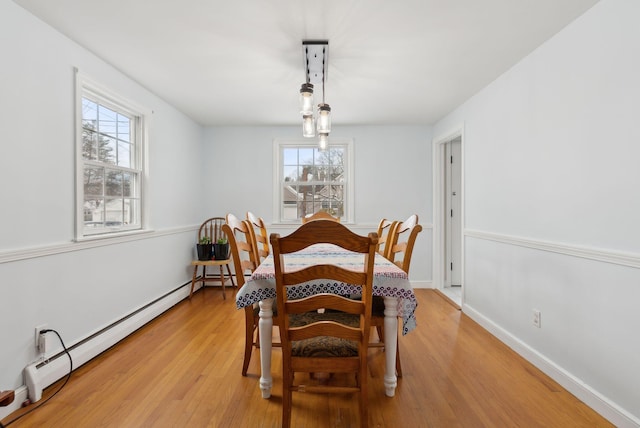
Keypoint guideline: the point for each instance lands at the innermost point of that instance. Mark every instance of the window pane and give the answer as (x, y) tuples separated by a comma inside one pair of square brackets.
[(93, 181), (124, 128), (127, 184), (124, 154), (131, 211), (114, 183), (113, 212), (89, 114), (107, 121), (290, 211), (290, 156), (107, 149), (89, 144), (93, 213), (305, 156), (290, 172)]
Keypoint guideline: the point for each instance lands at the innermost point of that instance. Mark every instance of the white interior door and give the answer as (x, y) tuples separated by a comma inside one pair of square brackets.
[(453, 213)]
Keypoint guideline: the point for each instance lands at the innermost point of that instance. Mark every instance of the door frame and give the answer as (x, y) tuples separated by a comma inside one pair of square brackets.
[(439, 221)]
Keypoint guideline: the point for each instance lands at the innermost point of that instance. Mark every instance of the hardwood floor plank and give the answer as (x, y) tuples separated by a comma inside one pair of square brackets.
[(183, 370)]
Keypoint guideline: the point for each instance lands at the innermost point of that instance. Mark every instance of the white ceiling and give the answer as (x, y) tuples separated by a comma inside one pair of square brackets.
[(239, 62)]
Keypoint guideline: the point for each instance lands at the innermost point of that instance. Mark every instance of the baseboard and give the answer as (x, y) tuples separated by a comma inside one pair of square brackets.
[(605, 407), (421, 284), (38, 376)]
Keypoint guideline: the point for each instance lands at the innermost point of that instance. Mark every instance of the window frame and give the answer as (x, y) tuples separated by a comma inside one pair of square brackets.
[(88, 88), (279, 144)]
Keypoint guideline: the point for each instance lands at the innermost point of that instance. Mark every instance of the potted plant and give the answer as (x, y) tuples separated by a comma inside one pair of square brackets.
[(205, 248), (221, 249)]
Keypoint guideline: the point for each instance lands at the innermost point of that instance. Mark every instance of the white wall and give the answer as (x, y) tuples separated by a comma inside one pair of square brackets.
[(393, 177), (45, 277), (551, 171)]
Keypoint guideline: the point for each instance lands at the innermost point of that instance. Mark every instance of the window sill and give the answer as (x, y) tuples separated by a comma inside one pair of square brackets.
[(122, 235)]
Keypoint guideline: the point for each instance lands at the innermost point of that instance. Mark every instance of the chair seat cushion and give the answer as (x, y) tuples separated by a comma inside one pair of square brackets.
[(324, 346)]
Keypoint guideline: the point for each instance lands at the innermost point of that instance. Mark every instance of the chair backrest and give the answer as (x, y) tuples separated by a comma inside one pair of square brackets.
[(320, 215), (402, 242), (385, 232), (260, 236), (242, 250), (212, 228), (333, 233)]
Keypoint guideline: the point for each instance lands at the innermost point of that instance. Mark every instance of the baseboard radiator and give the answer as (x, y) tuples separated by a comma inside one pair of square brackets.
[(40, 375)]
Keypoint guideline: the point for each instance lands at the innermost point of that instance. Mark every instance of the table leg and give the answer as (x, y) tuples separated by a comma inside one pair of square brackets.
[(266, 331), (390, 344)]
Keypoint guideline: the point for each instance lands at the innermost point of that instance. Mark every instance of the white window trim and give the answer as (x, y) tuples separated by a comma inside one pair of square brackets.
[(86, 84), (278, 143)]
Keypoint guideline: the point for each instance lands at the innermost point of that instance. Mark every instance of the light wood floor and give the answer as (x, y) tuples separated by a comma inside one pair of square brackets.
[(183, 370)]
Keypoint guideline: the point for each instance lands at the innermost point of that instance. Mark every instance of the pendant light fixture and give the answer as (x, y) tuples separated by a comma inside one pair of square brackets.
[(323, 142), (306, 99), (315, 54), (308, 126)]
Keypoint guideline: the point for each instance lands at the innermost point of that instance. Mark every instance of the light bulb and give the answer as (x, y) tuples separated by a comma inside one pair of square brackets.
[(308, 126), (306, 99), (324, 119)]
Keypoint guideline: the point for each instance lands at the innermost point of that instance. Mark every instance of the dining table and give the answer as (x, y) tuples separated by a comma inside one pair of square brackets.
[(389, 282)]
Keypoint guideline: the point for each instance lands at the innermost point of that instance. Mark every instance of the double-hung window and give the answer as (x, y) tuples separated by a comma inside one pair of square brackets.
[(309, 180), (109, 162)]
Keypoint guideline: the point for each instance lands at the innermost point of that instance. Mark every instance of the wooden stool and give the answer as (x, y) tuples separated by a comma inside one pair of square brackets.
[(204, 277)]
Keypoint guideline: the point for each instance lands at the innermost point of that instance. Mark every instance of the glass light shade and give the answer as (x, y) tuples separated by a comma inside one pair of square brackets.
[(323, 142), (306, 99), (308, 126), (324, 119)]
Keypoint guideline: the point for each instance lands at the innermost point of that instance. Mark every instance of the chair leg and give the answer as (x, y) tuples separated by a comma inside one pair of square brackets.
[(231, 276), (224, 294), (257, 342), (248, 341), (193, 280), (362, 401), (286, 399), (380, 332)]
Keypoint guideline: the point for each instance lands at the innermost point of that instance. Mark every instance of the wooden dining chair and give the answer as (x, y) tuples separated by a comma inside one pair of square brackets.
[(317, 344), (402, 242), (400, 248), (385, 230), (211, 228), (261, 238), (320, 215), (244, 262)]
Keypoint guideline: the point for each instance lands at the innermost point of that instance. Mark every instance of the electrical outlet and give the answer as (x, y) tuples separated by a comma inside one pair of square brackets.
[(537, 318), (42, 346), (40, 340)]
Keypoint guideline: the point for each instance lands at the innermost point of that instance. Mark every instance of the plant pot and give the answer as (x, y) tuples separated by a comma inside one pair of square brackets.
[(205, 251), (221, 251)]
